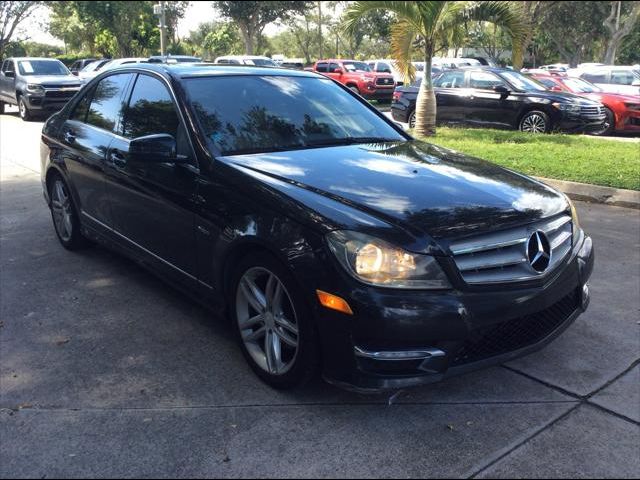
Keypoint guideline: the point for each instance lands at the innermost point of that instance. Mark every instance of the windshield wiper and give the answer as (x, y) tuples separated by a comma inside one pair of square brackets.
[(351, 141)]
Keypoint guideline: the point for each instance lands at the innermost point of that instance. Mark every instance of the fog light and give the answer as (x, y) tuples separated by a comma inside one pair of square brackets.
[(334, 302), (584, 301)]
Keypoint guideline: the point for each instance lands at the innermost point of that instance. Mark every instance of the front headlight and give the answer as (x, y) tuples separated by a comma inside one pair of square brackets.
[(376, 262), (574, 220), (35, 89), (567, 107)]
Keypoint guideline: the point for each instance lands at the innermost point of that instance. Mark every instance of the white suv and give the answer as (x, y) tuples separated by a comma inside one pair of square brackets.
[(255, 60), (611, 78)]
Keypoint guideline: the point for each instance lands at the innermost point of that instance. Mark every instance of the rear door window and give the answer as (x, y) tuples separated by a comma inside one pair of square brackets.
[(106, 104), (598, 77), (484, 80), (322, 67), (450, 80), (622, 77)]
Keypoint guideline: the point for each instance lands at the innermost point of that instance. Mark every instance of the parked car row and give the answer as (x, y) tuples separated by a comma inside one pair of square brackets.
[(503, 98)]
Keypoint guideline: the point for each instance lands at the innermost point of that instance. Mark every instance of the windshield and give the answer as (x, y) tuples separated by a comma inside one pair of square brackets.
[(356, 67), (523, 83), (276, 113), (42, 67), (577, 85), (94, 66), (261, 62)]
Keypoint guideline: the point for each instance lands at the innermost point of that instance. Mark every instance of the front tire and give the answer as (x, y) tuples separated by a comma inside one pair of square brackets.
[(25, 113), (65, 215), (535, 122), (272, 322), (354, 89), (611, 124)]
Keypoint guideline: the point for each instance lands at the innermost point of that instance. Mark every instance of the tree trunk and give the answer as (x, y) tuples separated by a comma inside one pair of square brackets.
[(618, 32), (247, 37), (426, 101)]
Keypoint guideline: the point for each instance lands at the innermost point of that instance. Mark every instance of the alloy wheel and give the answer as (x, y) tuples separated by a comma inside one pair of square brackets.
[(412, 120), (267, 321), (534, 123), (61, 208), (22, 107)]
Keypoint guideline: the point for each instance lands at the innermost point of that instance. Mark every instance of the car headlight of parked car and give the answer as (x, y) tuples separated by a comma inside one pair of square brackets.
[(35, 89), (568, 107), (376, 262)]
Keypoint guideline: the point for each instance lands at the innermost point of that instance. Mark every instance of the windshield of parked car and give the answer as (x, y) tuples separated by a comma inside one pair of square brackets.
[(577, 85), (356, 67), (523, 83), (261, 62), (93, 66), (255, 114), (42, 67)]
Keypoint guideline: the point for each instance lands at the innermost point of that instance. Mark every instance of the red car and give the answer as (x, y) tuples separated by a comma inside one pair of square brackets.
[(359, 77), (623, 111)]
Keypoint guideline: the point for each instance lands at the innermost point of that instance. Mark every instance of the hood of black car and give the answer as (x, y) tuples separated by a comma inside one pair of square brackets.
[(412, 184)]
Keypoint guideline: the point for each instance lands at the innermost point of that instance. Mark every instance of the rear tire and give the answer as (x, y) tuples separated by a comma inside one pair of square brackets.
[(611, 124), (65, 215), (535, 121), (412, 119), (354, 89), (277, 316)]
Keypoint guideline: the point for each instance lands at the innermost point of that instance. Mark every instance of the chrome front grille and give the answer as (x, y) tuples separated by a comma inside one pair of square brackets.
[(594, 111), (502, 256)]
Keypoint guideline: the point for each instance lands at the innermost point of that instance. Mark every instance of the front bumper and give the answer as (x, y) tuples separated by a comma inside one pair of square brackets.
[(404, 339), (46, 102), (576, 123)]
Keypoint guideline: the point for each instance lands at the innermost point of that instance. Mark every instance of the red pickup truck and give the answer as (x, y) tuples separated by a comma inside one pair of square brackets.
[(359, 77)]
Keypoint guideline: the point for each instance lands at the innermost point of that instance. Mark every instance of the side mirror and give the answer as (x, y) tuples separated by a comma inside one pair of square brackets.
[(337, 70), (158, 148), (502, 90), (556, 88), (10, 74)]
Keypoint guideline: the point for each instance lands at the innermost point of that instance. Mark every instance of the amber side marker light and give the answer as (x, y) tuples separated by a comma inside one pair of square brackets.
[(334, 302)]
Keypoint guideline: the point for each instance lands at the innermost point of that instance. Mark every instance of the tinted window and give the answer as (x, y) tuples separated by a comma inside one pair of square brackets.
[(356, 67), (383, 67), (80, 110), (484, 80), (7, 66), (322, 67), (151, 109), (547, 82), (334, 66), (106, 103), (270, 113), (450, 80), (595, 77), (622, 77)]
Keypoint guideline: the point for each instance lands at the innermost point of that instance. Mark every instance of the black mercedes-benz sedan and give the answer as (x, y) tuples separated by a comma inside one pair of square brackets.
[(331, 239), (501, 98)]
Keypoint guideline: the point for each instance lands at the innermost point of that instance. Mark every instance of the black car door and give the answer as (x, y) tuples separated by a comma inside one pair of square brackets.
[(152, 202), (451, 96), (86, 136), (485, 106)]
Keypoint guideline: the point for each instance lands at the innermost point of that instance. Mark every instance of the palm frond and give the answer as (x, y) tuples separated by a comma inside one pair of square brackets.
[(403, 35), (402, 10), (506, 15)]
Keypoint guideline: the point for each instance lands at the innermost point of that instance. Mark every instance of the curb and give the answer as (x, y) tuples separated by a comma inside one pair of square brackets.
[(596, 194)]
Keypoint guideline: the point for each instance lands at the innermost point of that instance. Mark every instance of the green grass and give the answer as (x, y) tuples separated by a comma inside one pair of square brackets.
[(564, 157)]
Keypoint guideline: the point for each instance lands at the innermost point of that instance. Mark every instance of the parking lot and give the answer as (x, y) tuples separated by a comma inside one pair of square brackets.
[(106, 371)]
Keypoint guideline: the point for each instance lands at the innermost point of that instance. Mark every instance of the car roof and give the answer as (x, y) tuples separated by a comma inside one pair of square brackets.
[(243, 57), (33, 58), (190, 70)]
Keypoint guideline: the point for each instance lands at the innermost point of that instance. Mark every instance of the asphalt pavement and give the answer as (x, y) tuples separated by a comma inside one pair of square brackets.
[(105, 371)]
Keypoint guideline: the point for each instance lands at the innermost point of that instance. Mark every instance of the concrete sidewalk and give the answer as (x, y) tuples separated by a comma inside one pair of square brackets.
[(105, 371)]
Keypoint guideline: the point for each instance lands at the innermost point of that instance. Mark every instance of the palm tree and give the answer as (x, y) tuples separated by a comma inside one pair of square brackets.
[(428, 22)]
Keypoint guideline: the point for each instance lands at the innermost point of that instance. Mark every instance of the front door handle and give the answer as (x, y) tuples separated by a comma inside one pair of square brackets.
[(117, 158)]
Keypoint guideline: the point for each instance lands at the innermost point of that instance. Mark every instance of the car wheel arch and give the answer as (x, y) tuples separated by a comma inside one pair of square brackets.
[(536, 108)]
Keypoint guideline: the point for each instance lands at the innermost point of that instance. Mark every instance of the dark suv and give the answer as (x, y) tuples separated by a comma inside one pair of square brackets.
[(36, 85), (332, 239), (502, 98)]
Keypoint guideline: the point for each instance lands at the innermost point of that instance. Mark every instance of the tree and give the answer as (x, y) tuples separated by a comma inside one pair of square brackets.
[(575, 29), (12, 15), (532, 13), (491, 39), (427, 21), (223, 39), (65, 24), (253, 16), (619, 25)]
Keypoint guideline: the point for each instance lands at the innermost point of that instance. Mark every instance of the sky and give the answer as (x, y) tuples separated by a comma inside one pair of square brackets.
[(197, 12)]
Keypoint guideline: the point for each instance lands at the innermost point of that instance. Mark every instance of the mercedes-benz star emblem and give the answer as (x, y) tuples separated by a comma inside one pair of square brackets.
[(539, 251)]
